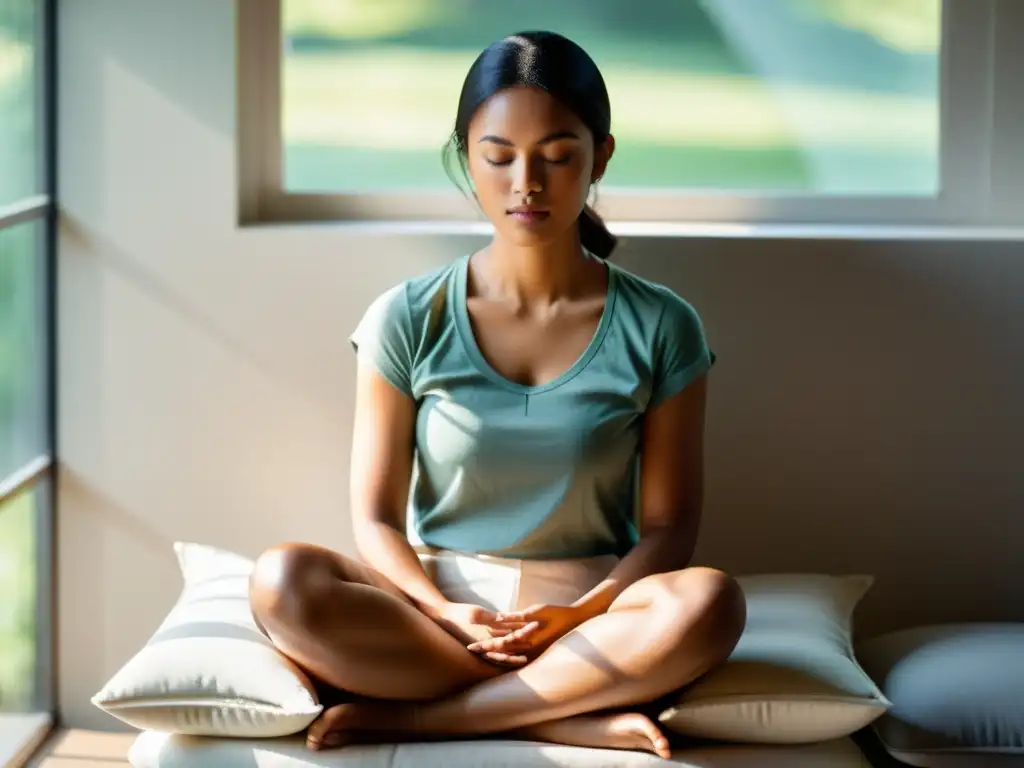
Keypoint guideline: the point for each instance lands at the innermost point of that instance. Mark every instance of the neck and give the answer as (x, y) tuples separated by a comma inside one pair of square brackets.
[(535, 274)]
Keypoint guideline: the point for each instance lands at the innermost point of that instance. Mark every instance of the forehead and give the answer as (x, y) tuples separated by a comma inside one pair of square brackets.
[(523, 115)]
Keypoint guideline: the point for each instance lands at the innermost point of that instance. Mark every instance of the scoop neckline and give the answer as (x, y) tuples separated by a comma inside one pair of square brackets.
[(464, 327)]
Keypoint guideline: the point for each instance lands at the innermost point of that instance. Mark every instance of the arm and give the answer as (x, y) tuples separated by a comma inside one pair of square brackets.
[(381, 471), (671, 495)]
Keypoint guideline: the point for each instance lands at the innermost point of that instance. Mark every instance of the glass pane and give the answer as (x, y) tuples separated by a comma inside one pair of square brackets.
[(23, 391), (21, 129), (800, 96), (19, 588)]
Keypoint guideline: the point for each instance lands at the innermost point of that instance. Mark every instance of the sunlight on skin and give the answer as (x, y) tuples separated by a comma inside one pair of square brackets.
[(587, 672), (406, 106)]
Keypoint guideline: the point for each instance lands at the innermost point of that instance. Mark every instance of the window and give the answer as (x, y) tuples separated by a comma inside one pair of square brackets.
[(20, 586), (27, 274), (825, 97), (829, 111)]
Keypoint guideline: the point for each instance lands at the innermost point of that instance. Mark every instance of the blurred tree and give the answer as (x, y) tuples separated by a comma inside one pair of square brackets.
[(910, 26), (17, 291), (357, 19), (18, 19)]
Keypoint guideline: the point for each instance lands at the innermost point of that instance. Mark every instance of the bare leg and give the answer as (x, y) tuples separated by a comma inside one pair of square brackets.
[(660, 634), (626, 730), (621, 730), (354, 630)]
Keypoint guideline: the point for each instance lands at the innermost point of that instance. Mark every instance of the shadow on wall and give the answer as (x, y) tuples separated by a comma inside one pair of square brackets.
[(865, 415)]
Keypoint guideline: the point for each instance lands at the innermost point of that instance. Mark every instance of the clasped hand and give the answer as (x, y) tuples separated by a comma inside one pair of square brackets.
[(509, 638)]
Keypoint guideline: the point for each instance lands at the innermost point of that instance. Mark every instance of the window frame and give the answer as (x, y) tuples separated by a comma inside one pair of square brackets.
[(981, 179), (39, 473)]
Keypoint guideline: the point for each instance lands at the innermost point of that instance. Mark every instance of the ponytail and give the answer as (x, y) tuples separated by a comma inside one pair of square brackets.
[(594, 235)]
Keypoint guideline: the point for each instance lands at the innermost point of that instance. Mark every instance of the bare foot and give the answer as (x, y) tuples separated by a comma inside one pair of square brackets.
[(359, 723), (345, 724), (621, 731), (329, 730)]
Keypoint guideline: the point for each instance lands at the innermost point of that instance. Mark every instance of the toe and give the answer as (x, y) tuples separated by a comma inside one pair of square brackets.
[(654, 736), (328, 729)]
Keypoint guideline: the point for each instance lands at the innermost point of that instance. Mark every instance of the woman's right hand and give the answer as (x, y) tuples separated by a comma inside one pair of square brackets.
[(470, 624)]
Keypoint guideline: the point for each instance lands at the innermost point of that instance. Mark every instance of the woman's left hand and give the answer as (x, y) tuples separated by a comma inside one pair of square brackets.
[(543, 625)]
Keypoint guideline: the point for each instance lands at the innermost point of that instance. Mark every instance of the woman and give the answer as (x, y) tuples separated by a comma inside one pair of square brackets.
[(543, 409)]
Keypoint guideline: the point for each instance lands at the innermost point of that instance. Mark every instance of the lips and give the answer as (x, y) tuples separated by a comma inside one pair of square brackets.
[(528, 215)]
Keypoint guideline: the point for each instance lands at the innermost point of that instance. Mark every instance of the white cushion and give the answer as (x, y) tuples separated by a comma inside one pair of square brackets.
[(793, 677), (208, 670), (157, 750), (957, 692)]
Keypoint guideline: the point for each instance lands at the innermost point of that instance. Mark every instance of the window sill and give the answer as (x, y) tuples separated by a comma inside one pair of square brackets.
[(766, 231), (21, 736), (687, 230)]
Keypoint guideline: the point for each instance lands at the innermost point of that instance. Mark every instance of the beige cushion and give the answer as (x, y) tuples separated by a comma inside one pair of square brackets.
[(957, 692), (793, 677), (157, 750), (208, 670)]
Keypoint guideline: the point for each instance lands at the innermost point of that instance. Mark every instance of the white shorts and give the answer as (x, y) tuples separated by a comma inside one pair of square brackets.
[(503, 584)]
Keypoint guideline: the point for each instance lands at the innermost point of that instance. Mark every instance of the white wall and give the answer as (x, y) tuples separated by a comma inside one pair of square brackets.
[(865, 414)]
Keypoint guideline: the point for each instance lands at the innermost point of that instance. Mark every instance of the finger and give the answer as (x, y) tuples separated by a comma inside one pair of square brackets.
[(484, 616), (494, 620), (501, 630), (507, 660), (513, 617), (484, 646), (519, 639), (502, 644), (533, 613), (529, 613), (526, 631), (502, 656), (511, 644), (510, 625)]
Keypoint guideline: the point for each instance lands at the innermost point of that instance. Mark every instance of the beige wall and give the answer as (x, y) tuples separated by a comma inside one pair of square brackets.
[(865, 415)]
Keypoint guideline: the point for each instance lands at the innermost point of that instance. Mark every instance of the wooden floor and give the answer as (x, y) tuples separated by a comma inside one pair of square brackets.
[(84, 749), (20, 735)]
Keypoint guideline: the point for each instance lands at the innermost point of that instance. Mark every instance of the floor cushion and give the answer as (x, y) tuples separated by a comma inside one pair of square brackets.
[(207, 669), (957, 693), (158, 750), (793, 678)]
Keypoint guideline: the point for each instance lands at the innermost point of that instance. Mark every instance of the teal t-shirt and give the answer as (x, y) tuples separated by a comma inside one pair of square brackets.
[(509, 470)]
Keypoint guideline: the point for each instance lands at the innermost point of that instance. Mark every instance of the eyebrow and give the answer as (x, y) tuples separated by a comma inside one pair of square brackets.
[(558, 136)]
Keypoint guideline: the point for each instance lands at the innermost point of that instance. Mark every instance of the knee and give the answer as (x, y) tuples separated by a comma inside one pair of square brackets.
[(712, 605), (287, 583)]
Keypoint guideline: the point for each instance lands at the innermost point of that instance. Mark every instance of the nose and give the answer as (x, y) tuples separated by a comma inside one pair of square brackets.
[(528, 178)]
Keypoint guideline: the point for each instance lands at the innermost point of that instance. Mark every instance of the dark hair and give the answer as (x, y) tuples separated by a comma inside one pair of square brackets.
[(557, 65)]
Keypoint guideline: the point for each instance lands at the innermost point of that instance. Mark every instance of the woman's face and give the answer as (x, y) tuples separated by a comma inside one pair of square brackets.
[(532, 162)]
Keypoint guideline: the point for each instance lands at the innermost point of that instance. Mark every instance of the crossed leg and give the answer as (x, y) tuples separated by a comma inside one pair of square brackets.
[(351, 628)]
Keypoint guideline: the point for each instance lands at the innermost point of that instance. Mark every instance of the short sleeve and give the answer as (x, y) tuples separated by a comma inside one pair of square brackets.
[(384, 337), (681, 352)]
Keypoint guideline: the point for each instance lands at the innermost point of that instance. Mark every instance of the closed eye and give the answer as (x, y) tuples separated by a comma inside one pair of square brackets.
[(552, 161)]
